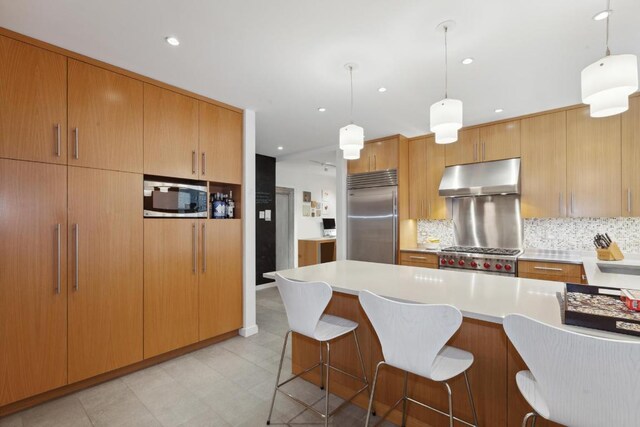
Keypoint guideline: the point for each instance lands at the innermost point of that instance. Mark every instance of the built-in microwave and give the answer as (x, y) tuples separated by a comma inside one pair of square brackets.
[(171, 198)]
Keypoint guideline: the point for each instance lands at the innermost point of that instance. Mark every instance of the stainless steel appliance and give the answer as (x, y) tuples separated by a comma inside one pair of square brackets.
[(372, 216), (171, 198), (485, 204)]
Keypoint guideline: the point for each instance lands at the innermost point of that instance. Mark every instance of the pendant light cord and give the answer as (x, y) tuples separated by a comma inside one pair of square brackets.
[(608, 52), (351, 78), (446, 65)]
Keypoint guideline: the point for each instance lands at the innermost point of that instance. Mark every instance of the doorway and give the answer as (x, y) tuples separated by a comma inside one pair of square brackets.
[(284, 228)]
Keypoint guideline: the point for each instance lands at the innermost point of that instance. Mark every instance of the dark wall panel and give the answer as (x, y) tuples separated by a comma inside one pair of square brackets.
[(265, 230)]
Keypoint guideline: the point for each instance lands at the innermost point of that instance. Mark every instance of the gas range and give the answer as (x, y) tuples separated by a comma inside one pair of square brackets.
[(483, 260)]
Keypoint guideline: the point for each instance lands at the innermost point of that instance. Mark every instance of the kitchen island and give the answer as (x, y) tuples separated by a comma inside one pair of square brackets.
[(484, 300)]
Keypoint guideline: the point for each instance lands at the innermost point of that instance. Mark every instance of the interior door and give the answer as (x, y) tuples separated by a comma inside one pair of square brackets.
[(33, 277), (105, 267), (284, 233), (372, 224)]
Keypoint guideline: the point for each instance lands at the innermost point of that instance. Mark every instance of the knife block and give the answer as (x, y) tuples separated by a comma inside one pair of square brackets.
[(612, 253)]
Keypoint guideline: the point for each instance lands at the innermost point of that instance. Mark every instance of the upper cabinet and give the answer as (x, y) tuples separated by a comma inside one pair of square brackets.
[(631, 159), (376, 155), (465, 149), (593, 165), (426, 166), (220, 144), (170, 133), (544, 165), (499, 141), (105, 119), (33, 103)]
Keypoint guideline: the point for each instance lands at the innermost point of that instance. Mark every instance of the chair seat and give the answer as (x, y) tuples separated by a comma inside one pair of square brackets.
[(331, 327), (450, 362), (530, 389)]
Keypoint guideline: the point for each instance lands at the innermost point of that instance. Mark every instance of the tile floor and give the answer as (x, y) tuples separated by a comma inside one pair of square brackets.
[(227, 384)]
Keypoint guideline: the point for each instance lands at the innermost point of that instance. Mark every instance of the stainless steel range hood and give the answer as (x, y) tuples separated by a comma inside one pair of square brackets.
[(481, 179)]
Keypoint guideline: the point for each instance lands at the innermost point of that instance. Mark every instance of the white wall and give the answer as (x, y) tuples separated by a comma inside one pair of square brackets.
[(303, 175)]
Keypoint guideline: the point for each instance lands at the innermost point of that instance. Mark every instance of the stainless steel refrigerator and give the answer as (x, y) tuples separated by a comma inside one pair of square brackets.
[(372, 216)]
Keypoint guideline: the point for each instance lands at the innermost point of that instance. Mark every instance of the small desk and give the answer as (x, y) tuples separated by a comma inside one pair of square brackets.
[(316, 251)]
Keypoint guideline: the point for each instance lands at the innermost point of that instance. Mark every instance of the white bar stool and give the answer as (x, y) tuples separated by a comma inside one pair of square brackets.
[(413, 338), (576, 379), (304, 303)]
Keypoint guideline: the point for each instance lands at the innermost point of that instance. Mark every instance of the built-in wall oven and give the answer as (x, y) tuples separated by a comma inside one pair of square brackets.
[(172, 198)]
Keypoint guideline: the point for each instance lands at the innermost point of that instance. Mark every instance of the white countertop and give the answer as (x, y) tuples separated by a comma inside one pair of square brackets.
[(596, 277), (478, 296)]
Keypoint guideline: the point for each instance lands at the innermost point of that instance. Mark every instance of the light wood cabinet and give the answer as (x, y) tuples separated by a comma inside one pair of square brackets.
[(554, 271), (377, 155), (418, 259), (105, 119), (499, 141), (220, 144), (544, 166), (631, 159), (170, 133), (220, 277), (170, 284), (426, 166), (465, 149), (316, 251), (594, 184), (105, 271), (33, 277), (33, 103)]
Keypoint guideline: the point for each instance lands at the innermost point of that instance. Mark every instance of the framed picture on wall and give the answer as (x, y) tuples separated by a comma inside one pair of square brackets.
[(306, 196)]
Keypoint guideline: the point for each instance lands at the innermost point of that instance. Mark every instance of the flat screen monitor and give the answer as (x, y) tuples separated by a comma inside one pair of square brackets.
[(329, 223)]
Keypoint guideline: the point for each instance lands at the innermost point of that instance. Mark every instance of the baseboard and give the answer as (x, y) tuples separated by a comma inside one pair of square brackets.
[(265, 286), (248, 331)]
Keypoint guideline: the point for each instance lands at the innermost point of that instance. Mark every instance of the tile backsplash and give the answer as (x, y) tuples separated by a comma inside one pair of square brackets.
[(555, 233)]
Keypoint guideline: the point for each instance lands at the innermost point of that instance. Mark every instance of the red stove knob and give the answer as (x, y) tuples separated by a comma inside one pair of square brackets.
[(487, 265), (507, 267), (474, 264), (499, 266), (461, 263), (451, 262), (443, 261)]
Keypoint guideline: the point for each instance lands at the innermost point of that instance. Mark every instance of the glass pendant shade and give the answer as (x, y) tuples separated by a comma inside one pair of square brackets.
[(607, 84), (446, 120), (351, 153), (351, 141)]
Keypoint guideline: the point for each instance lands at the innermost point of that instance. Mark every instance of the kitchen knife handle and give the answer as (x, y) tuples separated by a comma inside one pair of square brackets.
[(58, 258), (58, 138), (76, 145), (629, 200)]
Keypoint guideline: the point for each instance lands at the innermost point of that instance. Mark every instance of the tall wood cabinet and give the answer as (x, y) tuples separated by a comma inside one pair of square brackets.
[(33, 103), (631, 159), (377, 155), (544, 166), (426, 166), (105, 271), (33, 278), (105, 119), (220, 143), (594, 183)]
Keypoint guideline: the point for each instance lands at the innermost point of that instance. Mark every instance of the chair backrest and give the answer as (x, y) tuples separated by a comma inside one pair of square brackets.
[(584, 380), (304, 303), (411, 335)]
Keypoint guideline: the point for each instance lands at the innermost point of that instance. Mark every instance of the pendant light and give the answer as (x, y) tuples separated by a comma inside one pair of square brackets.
[(446, 114), (352, 135), (608, 82)]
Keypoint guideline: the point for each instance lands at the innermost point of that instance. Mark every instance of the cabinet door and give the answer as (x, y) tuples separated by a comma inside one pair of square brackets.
[(435, 161), (105, 271), (170, 285), (593, 165), (33, 103), (384, 154), (418, 194), (465, 149), (363, 164), (220, 281), (170, 133), (220, 144), (631, 159), (544, 166), (33, 294), (105, 119), (500, 141)]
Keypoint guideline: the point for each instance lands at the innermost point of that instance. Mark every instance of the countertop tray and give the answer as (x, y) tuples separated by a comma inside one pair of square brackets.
[(599, 307)]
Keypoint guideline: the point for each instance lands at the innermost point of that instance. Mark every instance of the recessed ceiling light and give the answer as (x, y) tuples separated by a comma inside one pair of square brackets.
[(172, 40), (467, 61), (604, 14), (280, 147), (382, 89), (499, 110), (322, 109)]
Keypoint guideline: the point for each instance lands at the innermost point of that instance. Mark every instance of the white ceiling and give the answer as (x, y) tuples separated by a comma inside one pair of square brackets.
[(284, 58)]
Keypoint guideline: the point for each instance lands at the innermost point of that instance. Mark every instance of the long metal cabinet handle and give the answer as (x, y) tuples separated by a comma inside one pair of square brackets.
[(76, 232), (429, 210), (375, 162), (193, 161), (416, 257), (204, 163), (204, 249), (547, 268), (629, 200), (571, 202), (484, 145), (560, 203), (58, 139), (76, 146), (195, 248), (475, 151), (58, 258)]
